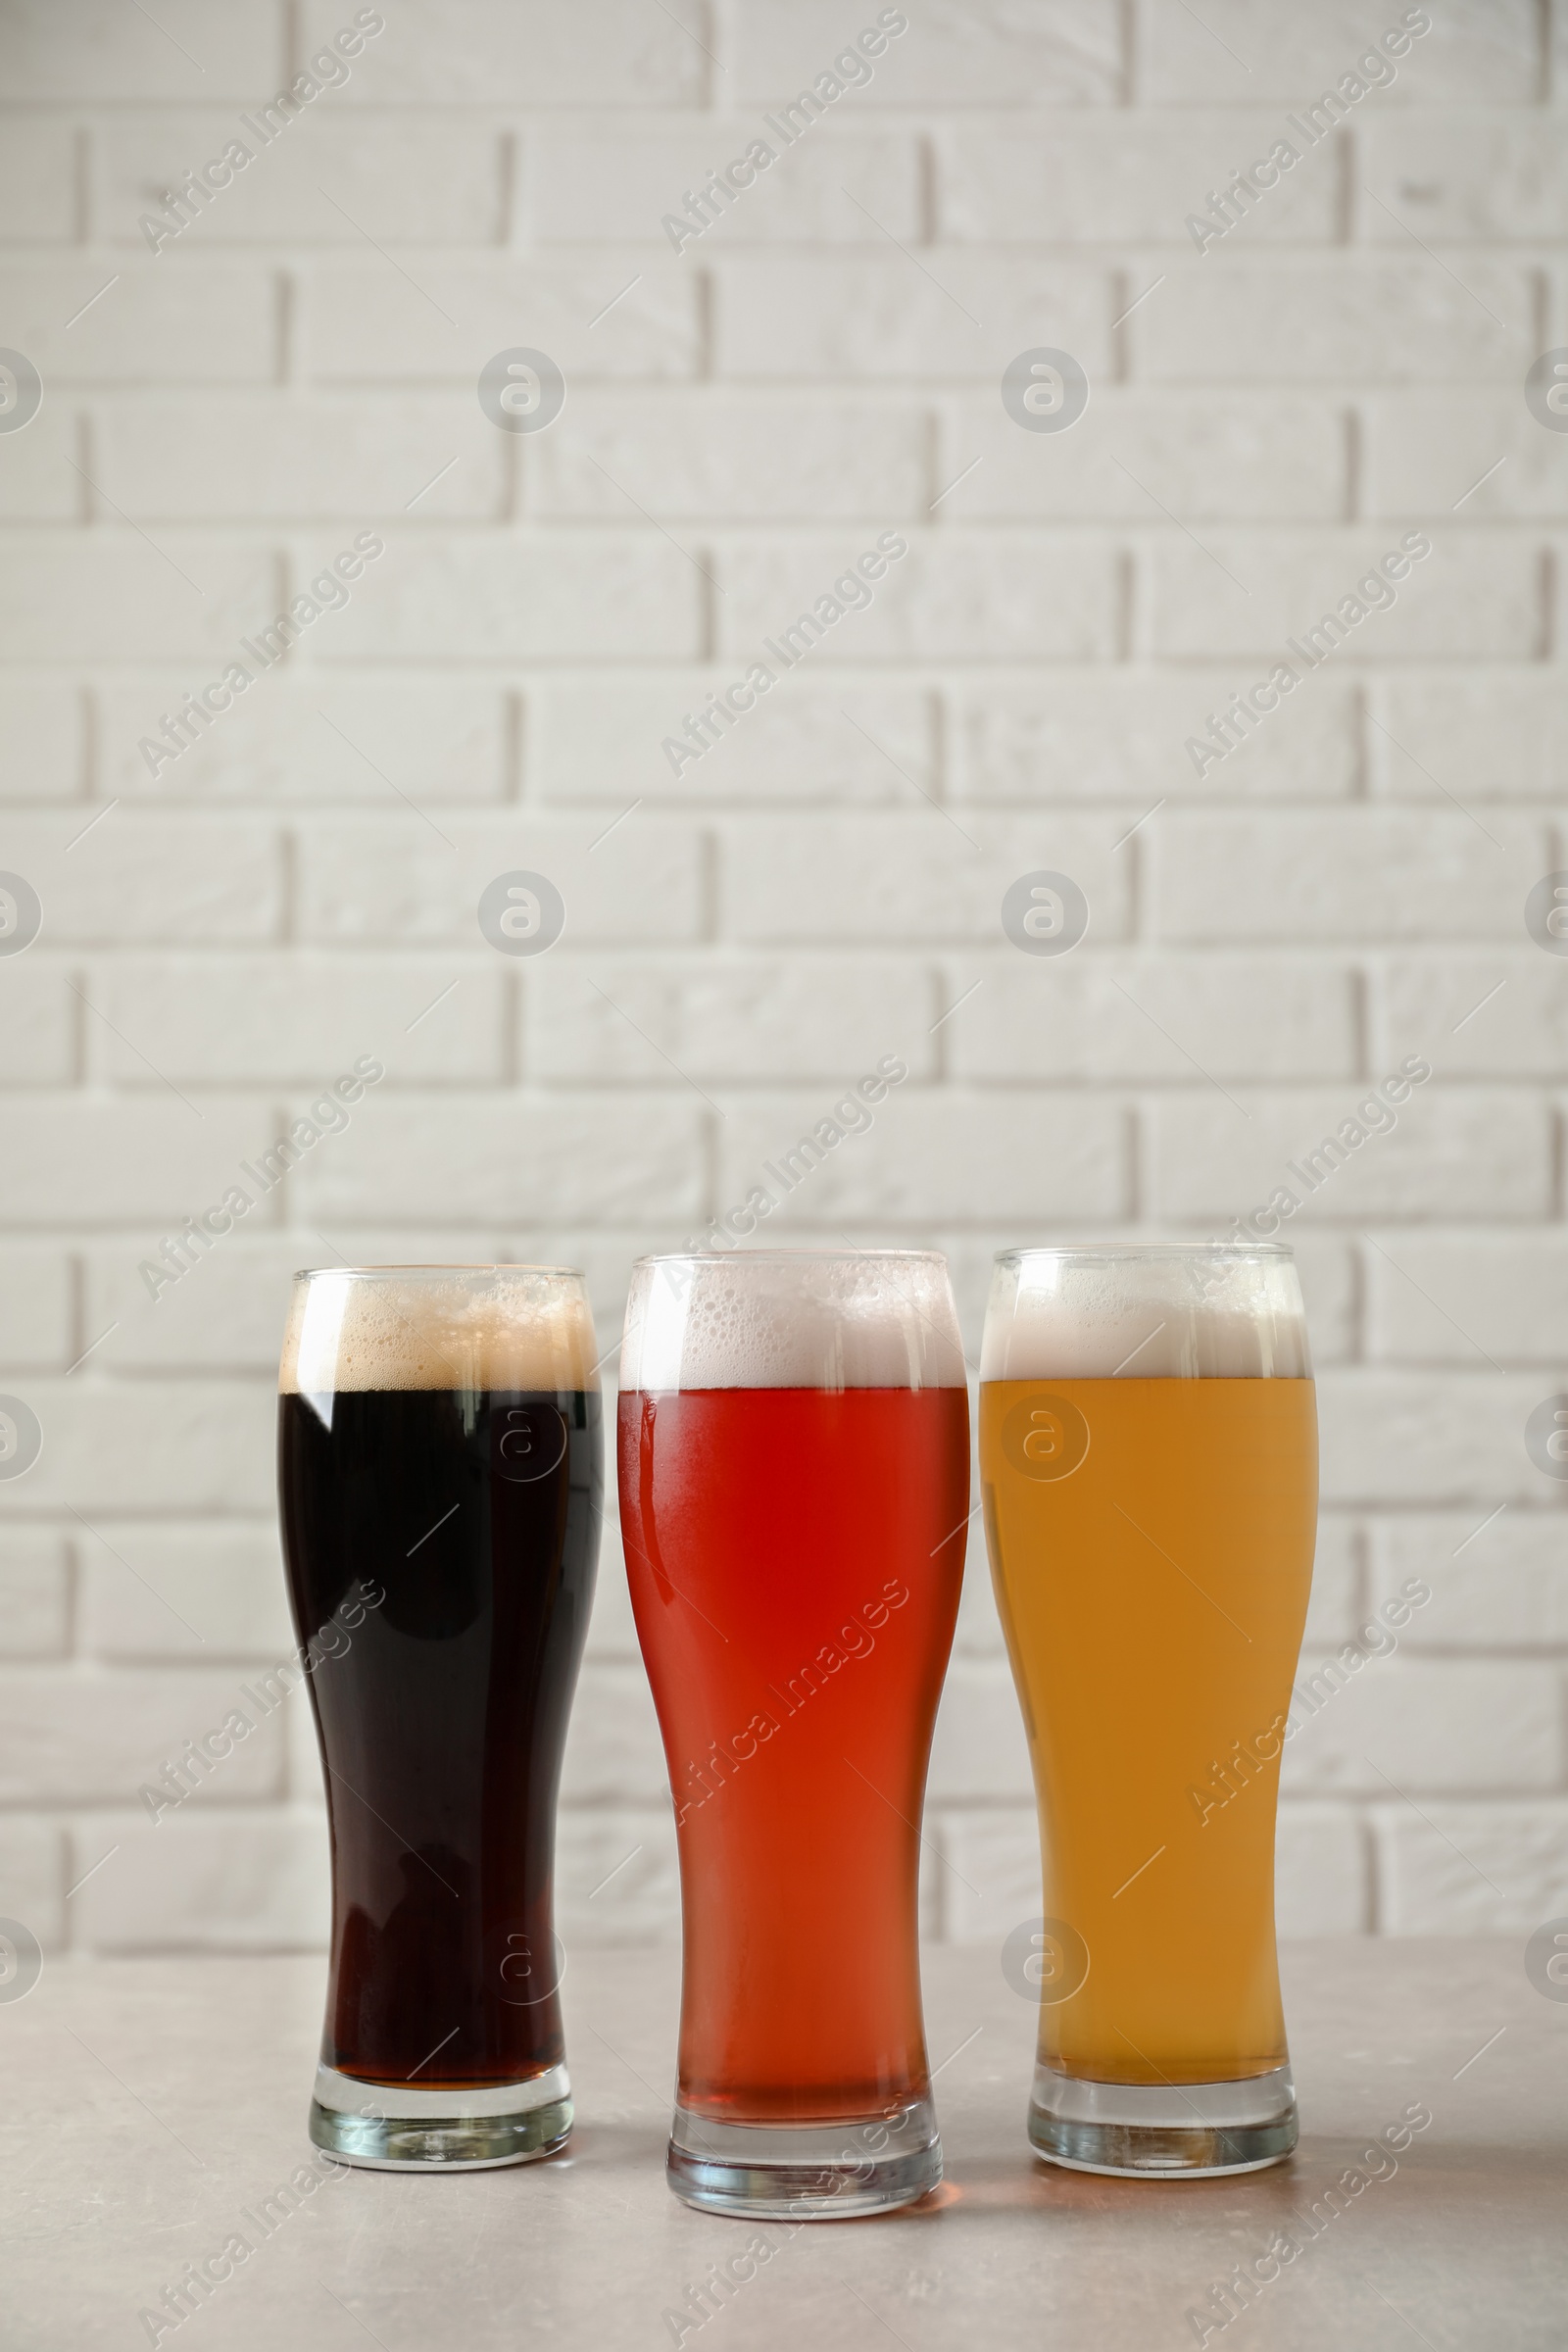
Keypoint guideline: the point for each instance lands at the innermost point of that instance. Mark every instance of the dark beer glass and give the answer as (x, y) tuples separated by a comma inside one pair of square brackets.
[(439, 1475)]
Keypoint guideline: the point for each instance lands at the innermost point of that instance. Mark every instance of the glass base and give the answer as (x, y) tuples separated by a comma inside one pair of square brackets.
[(397, 2128), (806, 2172), (1189, 2130)]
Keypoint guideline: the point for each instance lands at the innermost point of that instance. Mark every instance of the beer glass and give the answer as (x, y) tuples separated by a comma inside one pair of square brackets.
[(439, 1472), (1148, 1464), (794, 1455)]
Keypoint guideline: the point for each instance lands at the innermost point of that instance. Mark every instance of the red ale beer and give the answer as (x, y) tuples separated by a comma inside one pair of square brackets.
[(793, 1480)]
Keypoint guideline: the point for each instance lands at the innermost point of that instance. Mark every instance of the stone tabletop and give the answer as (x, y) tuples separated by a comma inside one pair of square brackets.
[(153, 2107)]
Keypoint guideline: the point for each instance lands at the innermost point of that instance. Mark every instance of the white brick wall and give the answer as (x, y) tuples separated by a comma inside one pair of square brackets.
[(743, 417)]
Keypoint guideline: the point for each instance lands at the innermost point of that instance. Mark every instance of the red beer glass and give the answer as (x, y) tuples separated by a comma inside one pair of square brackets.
[(794, 1455)]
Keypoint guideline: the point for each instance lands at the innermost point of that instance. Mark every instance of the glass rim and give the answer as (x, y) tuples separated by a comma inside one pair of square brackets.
[(1112, 1251), (821, 1257), (434, 1273)]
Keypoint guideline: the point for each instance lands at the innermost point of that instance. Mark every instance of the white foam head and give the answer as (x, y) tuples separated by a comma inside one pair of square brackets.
[(1158, 1311), (438, 1327), (791, 1319)]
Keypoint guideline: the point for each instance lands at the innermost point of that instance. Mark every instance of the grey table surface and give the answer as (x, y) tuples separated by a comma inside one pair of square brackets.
[(149, 2103)]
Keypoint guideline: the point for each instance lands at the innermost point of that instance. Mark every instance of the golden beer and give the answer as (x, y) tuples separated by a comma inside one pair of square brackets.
[(1150, 1538)]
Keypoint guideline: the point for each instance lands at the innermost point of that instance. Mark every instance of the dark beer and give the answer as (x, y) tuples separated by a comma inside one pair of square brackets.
[(452, 1533)]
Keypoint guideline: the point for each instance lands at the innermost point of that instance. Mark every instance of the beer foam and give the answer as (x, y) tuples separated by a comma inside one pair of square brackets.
[(458, 1327), (1146, 1314), (788, 1319)]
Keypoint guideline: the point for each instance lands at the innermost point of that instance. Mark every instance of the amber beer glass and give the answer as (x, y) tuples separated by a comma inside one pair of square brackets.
[(1149, 1459), (439, 1470), (794, 1452)]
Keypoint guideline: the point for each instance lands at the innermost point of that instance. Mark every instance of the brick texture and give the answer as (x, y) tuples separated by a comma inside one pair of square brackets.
[(1338, 884)]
